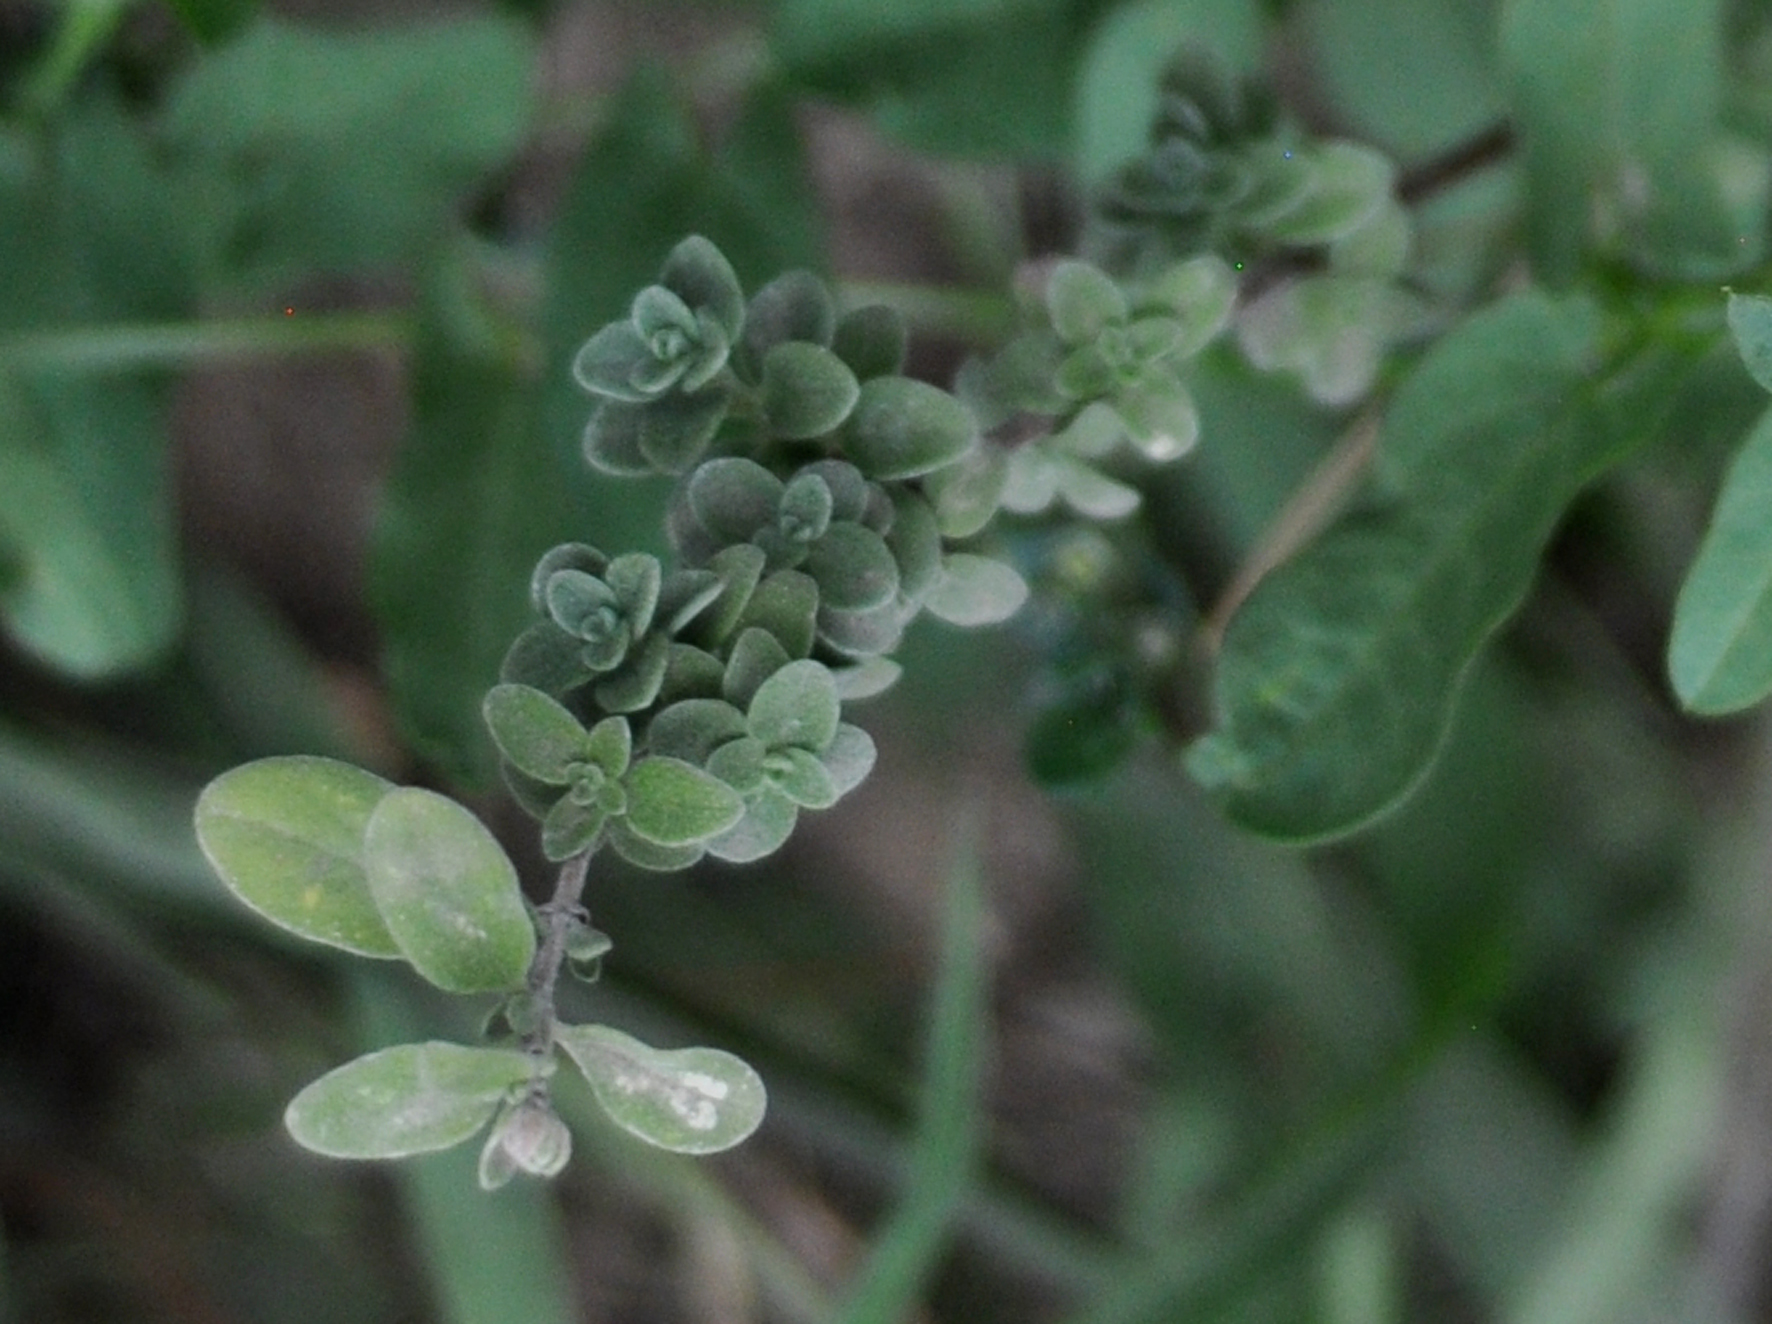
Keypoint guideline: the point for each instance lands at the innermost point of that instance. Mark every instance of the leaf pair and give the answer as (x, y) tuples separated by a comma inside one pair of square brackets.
[(419, 1098), (343, 857)]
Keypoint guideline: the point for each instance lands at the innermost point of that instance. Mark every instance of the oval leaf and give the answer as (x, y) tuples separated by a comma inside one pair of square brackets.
[(1720, 656), (975, 590), (534, 732), (902, 428), (1337, 677), (409, 1099), (448, 893), (687, 1100), (797, 706), (286, 835), (1750, 322), (673, 803), (807, 390)]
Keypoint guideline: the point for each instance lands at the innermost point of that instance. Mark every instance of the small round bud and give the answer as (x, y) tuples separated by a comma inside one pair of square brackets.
[(529, 1137)]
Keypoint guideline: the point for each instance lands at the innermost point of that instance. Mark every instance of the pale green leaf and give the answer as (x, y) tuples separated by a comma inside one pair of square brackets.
[(902, 428), (975, 590), (673, 803), (1336, 678), (796, 706), (688, 1100), (286, 835), (447, 892), (1750, 322), (1720, 656), (409, 1099), (534, 731)]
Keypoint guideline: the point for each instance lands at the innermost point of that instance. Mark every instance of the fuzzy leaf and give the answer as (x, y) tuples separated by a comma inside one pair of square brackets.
[(786, 605), (698, 273), (915, 543), (638, 851), (1083, 301), (639, 680), (849, 758), (967, 494), (612, 440), (687, 1100), (872, 340), (732, 497), (902, 428), (803, 778), (975, 590), (405, 1100), (673, 803), (570, 828), (1349, 184), (865, 679), (853, 568), (694, 729), (447, 892), (674, 431), (546, 657), (797, 706), (756, 656), (769, 818), (794, 306), (635, 578), (740, 567), (538, 735), (807, 390), (739, 763), (613, 362), (286, 835)]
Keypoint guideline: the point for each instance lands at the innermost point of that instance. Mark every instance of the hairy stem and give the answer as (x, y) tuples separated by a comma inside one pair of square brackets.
[(562, 911)]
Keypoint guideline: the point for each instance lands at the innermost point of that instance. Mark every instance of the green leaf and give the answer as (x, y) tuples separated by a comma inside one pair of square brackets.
[(853, 568), (769, 818), (475, 498), (1082, 302), (802, 776), (638, 851), (794, 306), (807, 390), (849, 757), (693, 729), (1720, 655), (975, 590), (786, 605), (756, 656), (1349, 183), (902, 428), (1750, 323), (213, 20), (409, 1099), (1336, 678), (687, 1100), (796, 706), (286, 835), (534, 732), (872, 340), (1615, 98), (88, 563), (571, 828), (447, 892), (699, 274), (345, 150), (673, 803)]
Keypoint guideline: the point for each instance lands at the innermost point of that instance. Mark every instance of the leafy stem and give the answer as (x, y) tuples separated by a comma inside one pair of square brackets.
[(559, 915)]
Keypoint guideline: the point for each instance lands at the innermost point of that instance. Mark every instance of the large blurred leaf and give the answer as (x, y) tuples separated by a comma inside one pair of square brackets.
[(1337, 676), (477, 495), (1440, 82), (88, 580), (344, 149), (986, 77), (213, 20), (1619, 101), (1720, 656)]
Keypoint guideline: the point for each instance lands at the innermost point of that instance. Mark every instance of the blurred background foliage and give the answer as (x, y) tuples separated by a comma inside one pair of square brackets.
[(286, 299)]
